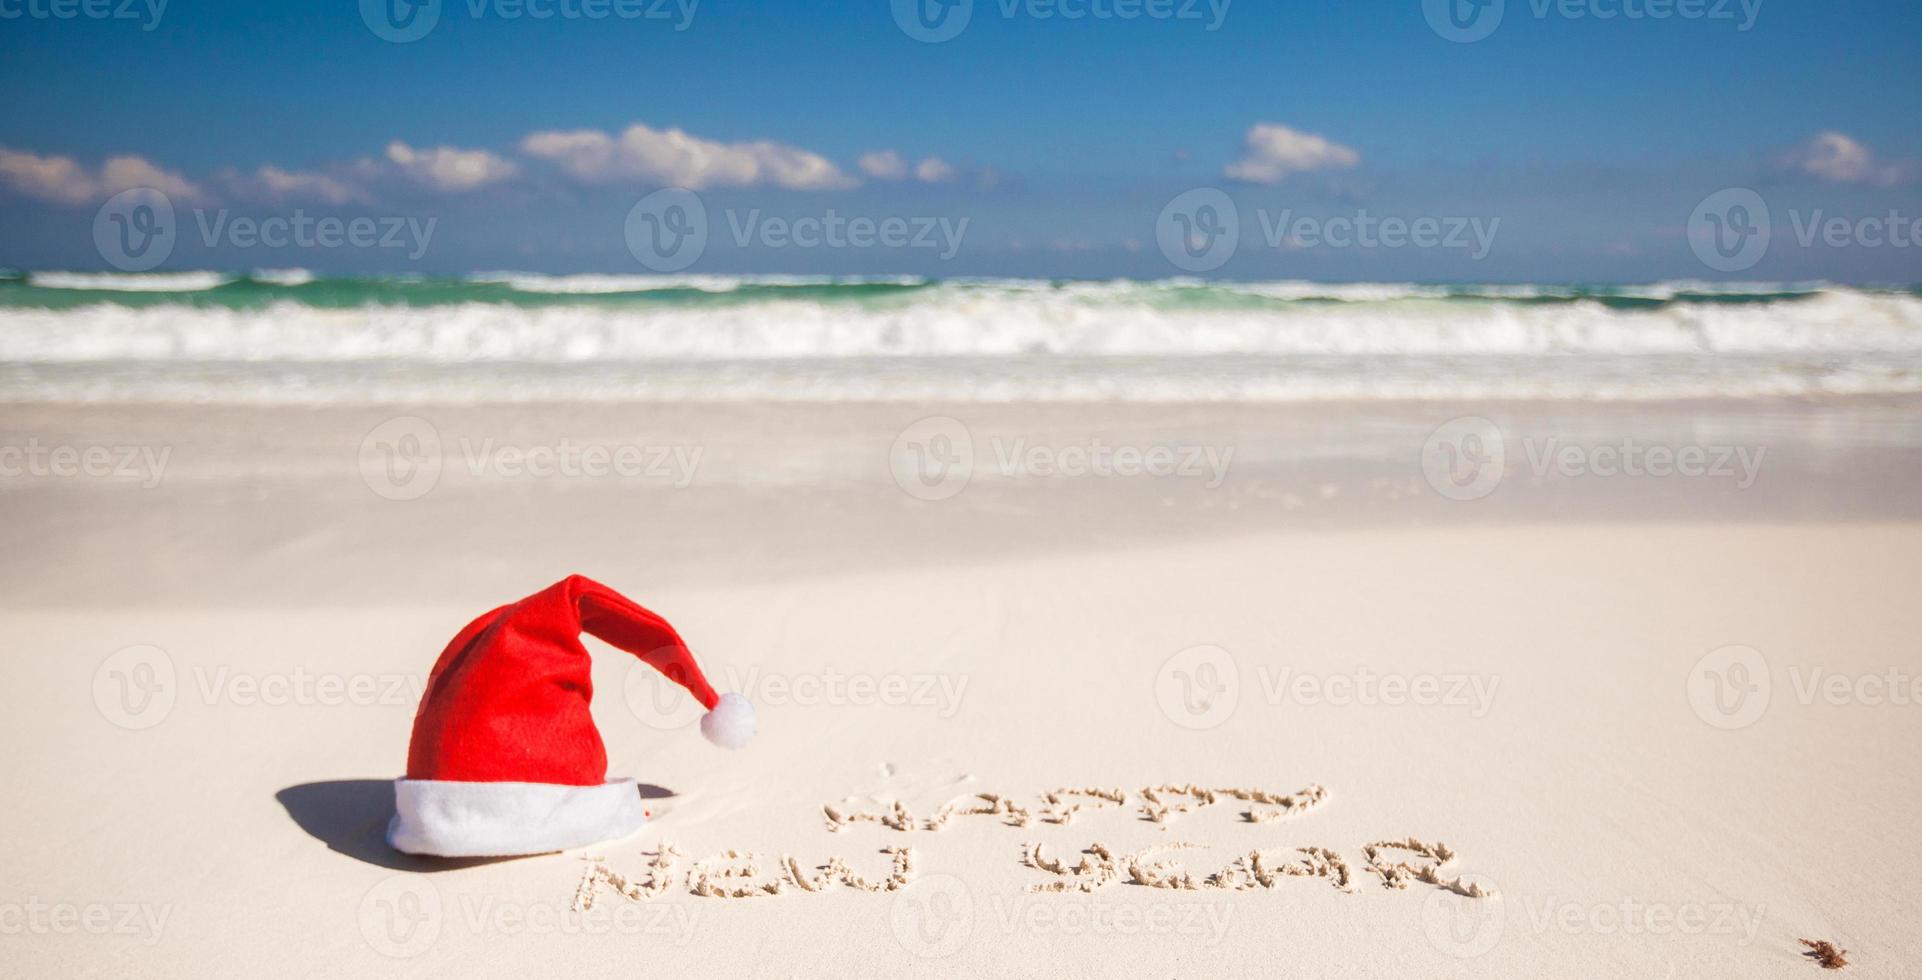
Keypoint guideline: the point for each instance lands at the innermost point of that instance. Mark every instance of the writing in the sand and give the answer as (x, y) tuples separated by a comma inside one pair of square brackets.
[(741, 874)]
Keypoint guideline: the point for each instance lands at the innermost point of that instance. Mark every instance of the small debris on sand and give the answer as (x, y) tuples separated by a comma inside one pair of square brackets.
[(1826, 953)]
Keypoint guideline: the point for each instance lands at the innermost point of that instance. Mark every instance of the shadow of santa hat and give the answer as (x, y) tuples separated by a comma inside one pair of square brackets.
[(505, 759)]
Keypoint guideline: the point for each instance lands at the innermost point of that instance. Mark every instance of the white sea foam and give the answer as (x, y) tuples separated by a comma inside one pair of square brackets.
[(955, 324), (592, 283), (282, 277), (143, 282), (975, 341)]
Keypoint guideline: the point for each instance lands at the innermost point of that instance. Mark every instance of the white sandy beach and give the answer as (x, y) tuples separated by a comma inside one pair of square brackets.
[(212, 680)]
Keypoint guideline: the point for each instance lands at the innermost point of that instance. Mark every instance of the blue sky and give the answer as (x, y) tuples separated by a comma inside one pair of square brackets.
[(1060, 139)]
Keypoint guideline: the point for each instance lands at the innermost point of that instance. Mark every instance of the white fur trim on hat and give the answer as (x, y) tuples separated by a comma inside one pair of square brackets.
[(731, 724), (461, 819)]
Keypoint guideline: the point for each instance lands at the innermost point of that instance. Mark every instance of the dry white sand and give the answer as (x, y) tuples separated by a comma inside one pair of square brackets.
[(208, 684)]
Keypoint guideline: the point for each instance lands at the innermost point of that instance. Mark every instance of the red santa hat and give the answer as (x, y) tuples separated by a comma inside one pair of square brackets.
[(505, 758)]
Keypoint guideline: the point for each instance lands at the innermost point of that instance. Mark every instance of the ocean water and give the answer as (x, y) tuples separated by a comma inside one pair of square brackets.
[(290, 336)]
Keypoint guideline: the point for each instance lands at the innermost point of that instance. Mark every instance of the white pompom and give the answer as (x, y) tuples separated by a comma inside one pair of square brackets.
[(731, 723)]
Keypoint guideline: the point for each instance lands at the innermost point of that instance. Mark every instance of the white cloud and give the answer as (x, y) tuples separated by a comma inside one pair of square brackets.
[(891, 165), (63, 181), (1274, 151), (445, 168), (675, 157), (273, 183), (1834, 157), (883, 165), (933, 170)]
